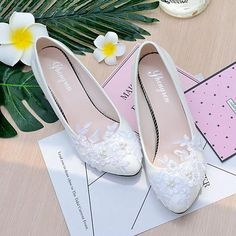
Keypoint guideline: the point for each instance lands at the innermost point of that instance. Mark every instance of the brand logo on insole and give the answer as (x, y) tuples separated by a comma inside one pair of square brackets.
[(158, 77), (58, 68), (232, 104)]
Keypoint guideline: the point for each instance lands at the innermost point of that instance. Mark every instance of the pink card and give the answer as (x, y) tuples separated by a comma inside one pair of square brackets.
[(213, 106), (119, 89)]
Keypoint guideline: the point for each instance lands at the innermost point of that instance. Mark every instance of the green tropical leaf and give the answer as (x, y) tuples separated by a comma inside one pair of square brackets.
[(15, 87), (75, 23), (6, 130)]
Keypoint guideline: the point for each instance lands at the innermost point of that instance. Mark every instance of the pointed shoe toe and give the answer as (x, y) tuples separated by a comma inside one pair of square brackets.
[(120, 154), (178, 185)]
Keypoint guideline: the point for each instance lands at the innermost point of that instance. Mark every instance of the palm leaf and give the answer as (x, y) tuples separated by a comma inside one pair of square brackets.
[(75, 23), (78, 22)]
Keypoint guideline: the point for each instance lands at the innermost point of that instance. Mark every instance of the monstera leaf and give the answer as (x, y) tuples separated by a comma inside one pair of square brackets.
[(75, 23), (15, 87)]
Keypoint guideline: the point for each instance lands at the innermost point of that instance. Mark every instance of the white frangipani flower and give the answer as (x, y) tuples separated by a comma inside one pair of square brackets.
[(17, 38), (108, 48)]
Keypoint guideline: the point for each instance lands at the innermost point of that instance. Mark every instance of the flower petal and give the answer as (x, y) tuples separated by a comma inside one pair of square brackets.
[(9, 54), (27, 55), (111, 61), (111, 37), (98, 54), (99, 41), (121, 48), (38, 30), (4, 33), (21, 20)]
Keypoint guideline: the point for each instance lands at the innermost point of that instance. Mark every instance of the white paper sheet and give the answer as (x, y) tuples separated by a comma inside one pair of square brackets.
[(95, 203)]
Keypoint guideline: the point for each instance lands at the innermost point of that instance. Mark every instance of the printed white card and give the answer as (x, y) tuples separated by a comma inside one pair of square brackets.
[(102, 204)]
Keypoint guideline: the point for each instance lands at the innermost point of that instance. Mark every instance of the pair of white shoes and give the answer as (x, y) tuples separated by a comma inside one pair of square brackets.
[(173, 160)]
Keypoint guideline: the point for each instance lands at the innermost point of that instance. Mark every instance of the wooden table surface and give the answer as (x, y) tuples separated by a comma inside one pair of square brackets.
[(28, 204)]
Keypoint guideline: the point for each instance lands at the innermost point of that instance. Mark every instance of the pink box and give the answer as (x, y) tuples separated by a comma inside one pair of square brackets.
[(213, 106)]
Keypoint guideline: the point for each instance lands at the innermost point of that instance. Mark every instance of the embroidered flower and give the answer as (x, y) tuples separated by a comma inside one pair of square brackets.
[(120, 152), (17, 38), (108, 48)]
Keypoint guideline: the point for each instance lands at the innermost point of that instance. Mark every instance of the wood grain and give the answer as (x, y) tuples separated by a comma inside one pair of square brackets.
[(28, 204)]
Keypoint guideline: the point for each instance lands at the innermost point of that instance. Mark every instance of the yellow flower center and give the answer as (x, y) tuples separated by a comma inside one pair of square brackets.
[(21, 38), (109, 49)]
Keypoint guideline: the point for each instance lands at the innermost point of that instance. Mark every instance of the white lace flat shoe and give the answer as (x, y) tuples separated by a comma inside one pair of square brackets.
[(174, 162), (99, 133)]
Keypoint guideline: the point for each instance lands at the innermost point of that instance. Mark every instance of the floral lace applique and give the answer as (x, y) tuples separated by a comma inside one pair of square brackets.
[(179, 181), (118, 147)]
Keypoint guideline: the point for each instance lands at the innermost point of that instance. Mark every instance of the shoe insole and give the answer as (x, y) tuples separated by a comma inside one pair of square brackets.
[(65, 82), (163, 102)]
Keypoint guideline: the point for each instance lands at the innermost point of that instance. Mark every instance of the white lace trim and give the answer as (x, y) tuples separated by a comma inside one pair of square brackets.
[(96, 136), (178, 183), (117, 150)]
